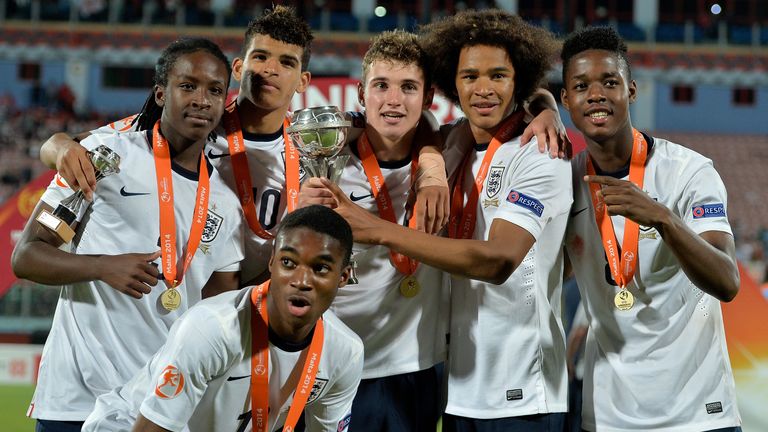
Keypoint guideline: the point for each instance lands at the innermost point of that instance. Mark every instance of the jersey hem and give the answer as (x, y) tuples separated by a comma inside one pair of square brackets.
[(497, 413), (707, 425), (404, 369), (59, 415)]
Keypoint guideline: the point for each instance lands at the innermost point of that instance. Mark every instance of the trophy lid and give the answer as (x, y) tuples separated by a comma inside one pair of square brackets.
[(317, 118)]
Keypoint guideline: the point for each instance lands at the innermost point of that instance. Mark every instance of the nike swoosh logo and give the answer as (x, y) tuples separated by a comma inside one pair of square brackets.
[(577, 212), (358, 198), (212, 155), (124, 193), (235, 378)]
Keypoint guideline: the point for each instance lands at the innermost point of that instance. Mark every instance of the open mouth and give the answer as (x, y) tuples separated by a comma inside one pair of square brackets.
[(392, 117), (298, 306), (598, 117)]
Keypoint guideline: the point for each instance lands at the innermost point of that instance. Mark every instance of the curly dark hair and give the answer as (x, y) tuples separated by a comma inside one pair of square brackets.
[(600, 38), (398, 46), (282, 24), (150, 113), (531, 49)]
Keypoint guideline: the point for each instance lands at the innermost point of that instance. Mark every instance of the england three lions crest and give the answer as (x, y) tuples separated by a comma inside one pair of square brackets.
[(493, 186), (317, 389), (212, 226)]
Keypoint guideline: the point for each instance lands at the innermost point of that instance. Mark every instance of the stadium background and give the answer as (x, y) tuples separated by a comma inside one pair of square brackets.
[(701, 68)]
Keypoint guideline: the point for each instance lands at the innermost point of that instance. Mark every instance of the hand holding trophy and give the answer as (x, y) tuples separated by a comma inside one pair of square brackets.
[(319, 134), (105, 162)]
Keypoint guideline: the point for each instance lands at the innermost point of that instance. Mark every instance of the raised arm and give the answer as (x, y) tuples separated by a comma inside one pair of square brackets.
[(65, 154), (546, 126), (708, 259), (37, 257)]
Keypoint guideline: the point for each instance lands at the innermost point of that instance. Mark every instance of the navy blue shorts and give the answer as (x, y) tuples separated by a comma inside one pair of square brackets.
[(552, 422), (402, 403), (58, 426)]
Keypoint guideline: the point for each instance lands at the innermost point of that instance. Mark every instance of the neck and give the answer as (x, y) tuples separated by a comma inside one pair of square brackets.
[(185, 152), (483, 135), (388, 150), (256, 120), (613, 153), (294, 332)]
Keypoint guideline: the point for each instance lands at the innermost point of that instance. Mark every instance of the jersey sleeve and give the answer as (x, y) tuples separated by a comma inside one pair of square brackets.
[(536, 190), (333, 411), (122, 125), (704, 201), (197, 351)]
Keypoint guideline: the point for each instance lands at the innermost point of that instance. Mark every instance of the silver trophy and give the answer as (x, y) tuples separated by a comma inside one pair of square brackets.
[(319, 134), (105, 162)]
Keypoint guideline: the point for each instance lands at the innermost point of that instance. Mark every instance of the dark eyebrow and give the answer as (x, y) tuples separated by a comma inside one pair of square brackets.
[(323, 257), (191, 78), (603, 76)]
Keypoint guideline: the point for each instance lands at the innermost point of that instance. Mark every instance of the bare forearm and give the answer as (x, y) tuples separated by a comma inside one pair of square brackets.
[(474, 259), (43, 263), (712, 269)]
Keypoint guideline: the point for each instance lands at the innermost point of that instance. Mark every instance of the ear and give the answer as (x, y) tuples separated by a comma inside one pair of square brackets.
[(344, 276), (428, 98), (632, 91), (564, 99), (160, 96), (304, 83), (361, 94), (237, 68)]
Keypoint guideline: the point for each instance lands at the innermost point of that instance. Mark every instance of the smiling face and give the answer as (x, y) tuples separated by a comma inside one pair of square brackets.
[(597, 93), (193, 100), (307, 269), (485, 83), (270, 73), (394, 95)]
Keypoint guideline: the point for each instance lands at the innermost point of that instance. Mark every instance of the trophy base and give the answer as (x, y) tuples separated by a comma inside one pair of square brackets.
[(57, 226), (330, 168)]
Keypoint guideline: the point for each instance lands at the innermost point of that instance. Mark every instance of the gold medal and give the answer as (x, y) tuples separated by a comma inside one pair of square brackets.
[(624, 300), (171, 299), (409, 287)]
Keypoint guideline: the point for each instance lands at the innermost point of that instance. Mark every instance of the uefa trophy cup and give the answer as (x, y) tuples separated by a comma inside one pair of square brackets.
[(105, 162), (319, 134)]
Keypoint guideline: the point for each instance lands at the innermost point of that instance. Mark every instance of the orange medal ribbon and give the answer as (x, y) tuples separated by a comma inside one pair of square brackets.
[(260, 366), (622, 269), (242, 173), (402, 263), (162, 156), (461, 224)]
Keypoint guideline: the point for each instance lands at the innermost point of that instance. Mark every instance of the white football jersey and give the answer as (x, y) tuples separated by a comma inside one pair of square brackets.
[(507, 346), (100, 336), (266, 164), (401, 334), (200, 379), (662, 365)]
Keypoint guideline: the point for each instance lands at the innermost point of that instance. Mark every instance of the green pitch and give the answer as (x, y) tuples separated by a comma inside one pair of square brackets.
[(14, 400)]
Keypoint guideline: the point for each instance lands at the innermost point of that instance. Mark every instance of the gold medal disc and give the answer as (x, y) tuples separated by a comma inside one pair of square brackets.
[(624, 300), (409, 287), (171, 299)]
